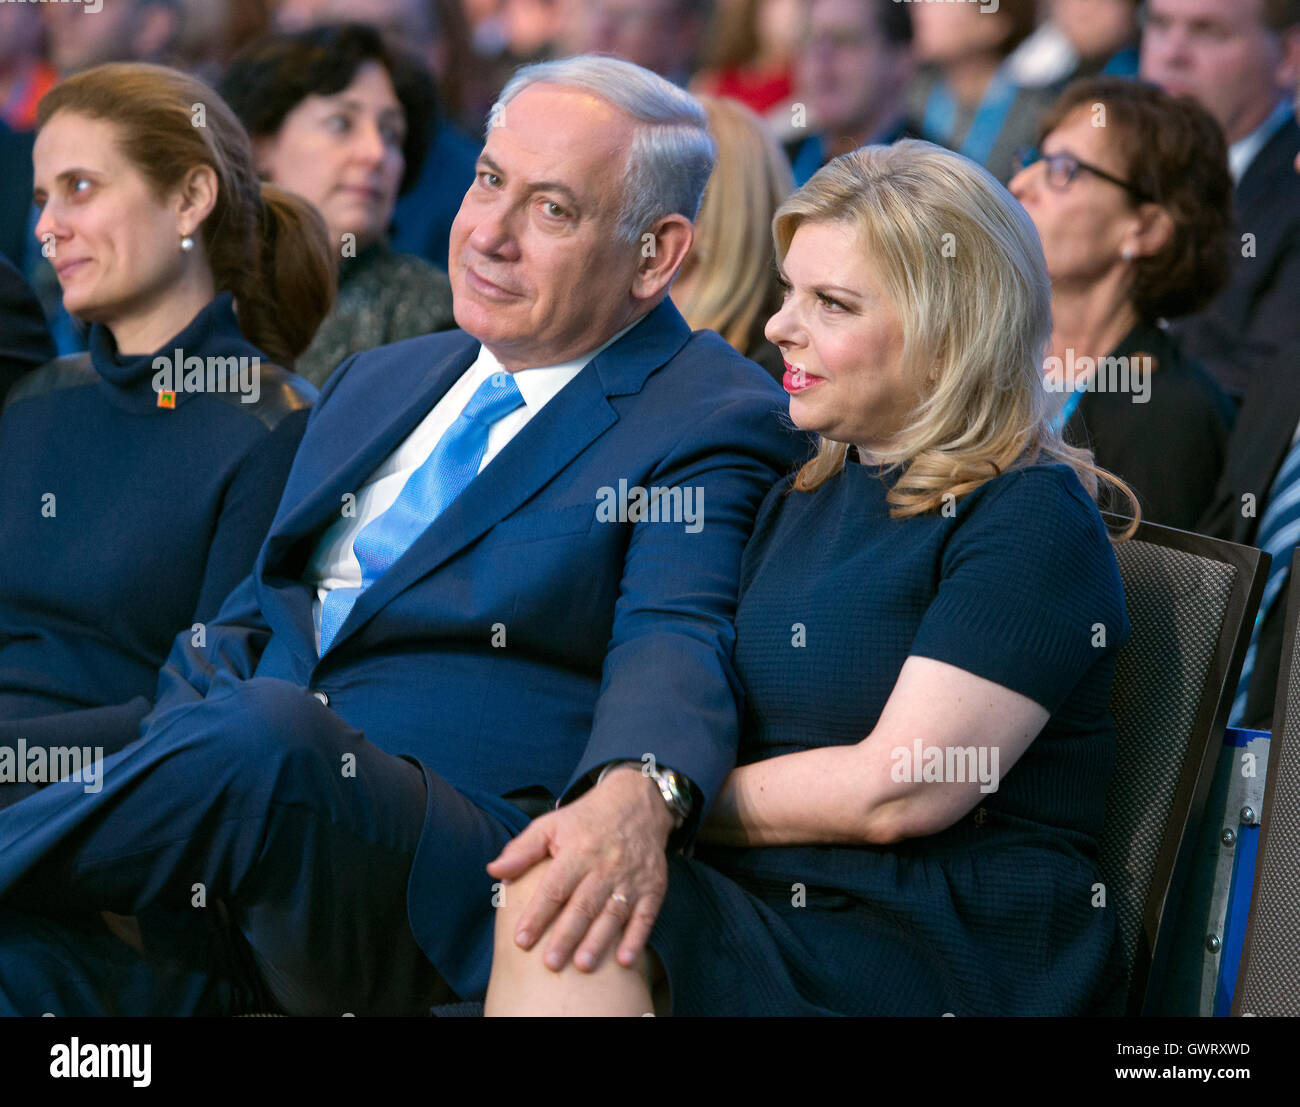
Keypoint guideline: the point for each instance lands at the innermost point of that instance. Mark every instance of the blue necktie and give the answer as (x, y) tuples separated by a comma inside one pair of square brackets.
[(1279, 532), (453, 463)]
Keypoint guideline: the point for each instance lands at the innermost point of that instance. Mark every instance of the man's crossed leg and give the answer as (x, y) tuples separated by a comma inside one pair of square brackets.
[(263, 843)]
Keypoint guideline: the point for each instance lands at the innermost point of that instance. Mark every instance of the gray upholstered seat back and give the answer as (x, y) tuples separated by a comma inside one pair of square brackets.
[(1269, 983), (1177, 603)]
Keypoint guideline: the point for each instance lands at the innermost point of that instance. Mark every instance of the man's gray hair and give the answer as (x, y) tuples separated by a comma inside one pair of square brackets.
[(672, 151)]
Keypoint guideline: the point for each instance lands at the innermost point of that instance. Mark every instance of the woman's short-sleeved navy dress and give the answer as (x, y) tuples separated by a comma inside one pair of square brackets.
[(995, 915)]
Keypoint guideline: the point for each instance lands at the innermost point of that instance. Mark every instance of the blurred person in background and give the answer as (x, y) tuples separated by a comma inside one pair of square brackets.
[(121, 30), (212, 31), (1240, 59), (15, 196), (664, 36), (747, 55), (728, 281), (161, 233), (966, 98), (437, 32), (506, 34), (854, 65), (1134, 218), (1257, 503), (340, 118), (25, 73), (1079, 38)]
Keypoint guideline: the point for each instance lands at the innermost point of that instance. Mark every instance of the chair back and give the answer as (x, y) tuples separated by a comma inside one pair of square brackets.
[(1268, 981), (1191, 602)]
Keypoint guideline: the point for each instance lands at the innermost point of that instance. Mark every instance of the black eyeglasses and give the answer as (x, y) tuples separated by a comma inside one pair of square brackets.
[(1063, 168)]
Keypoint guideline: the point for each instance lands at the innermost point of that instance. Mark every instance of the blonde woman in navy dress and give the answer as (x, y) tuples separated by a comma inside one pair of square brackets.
[(928, 621)]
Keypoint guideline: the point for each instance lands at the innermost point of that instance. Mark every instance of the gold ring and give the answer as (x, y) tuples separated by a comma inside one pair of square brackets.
[(620, 897)]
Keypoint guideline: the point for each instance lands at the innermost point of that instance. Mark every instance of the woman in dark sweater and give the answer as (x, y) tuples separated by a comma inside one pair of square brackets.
[(912, 827), (137, 481), (1133, 216)]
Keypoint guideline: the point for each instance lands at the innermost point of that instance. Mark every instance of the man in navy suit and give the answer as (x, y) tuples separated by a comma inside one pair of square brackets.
[(1238, 59), (308, 816)]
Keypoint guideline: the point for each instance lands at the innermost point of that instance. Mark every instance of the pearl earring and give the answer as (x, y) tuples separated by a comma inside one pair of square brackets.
[(1127, 253), (187, 244)]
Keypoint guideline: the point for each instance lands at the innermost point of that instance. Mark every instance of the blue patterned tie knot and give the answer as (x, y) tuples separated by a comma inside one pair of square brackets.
[(449, 468)]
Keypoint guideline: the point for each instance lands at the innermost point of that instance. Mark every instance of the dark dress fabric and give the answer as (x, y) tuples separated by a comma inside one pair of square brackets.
[(993, 915), (1170, 450), (125, 521)]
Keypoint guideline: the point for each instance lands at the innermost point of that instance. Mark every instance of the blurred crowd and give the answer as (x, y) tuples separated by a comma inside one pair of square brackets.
[(1153, 143)]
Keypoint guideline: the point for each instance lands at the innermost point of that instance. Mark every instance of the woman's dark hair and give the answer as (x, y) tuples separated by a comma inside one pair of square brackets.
[(272, 76), (1173, 152), (266, 246)]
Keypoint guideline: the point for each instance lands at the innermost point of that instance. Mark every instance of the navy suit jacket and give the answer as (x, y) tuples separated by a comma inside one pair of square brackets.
[(521, 641), (1254, 320)]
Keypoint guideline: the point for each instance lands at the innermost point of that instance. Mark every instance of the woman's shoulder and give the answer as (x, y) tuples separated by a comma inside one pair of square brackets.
[(281, 392), (412, 295), (1032, 485), (1178, 383), (1033, 511), (406, 274)]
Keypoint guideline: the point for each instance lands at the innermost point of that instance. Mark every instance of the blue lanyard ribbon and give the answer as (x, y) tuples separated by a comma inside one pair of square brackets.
[(941, 117)]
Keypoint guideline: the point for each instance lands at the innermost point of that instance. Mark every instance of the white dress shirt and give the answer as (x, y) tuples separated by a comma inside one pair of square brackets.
[(1242, 152), (334, 564)]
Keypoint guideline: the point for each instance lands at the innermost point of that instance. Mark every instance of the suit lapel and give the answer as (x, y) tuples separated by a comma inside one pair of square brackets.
[(280, 573), (566, 426), (354, 467)]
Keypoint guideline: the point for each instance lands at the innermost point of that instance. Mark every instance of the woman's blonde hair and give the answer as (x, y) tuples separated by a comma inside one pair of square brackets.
[(962, 265), (733, 287)]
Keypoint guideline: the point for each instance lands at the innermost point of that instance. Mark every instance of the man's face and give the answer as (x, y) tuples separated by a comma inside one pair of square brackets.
[(538, 274), (1218, 51), (845, 67)]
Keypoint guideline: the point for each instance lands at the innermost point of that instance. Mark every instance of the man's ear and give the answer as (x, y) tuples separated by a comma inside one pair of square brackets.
[(663, 249), (196, 198)]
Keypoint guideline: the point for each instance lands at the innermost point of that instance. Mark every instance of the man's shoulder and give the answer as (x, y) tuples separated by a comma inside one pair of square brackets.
[(707, 370), (400, 363), (1267, 184)]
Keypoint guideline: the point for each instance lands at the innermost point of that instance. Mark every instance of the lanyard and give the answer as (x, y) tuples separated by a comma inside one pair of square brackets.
[(941, 117), (1071, 403), (810, 158)]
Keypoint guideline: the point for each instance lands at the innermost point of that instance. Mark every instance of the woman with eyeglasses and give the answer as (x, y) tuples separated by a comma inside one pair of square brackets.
[(1130, 191)]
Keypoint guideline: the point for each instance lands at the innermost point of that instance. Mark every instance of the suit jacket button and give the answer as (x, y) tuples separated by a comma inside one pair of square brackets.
[(322, 697)]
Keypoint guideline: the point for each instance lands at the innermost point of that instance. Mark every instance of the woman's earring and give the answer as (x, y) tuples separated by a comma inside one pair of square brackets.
[(187, 244), (1127, 253)]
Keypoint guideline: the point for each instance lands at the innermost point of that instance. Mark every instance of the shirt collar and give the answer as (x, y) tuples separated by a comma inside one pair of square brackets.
[(1242, 152), (537, 386)]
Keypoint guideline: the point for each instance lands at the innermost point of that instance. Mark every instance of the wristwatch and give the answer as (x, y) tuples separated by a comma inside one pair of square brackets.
[(674, 787)]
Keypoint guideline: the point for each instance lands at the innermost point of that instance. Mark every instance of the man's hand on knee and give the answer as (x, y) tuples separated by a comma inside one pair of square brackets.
[(608, 875)]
